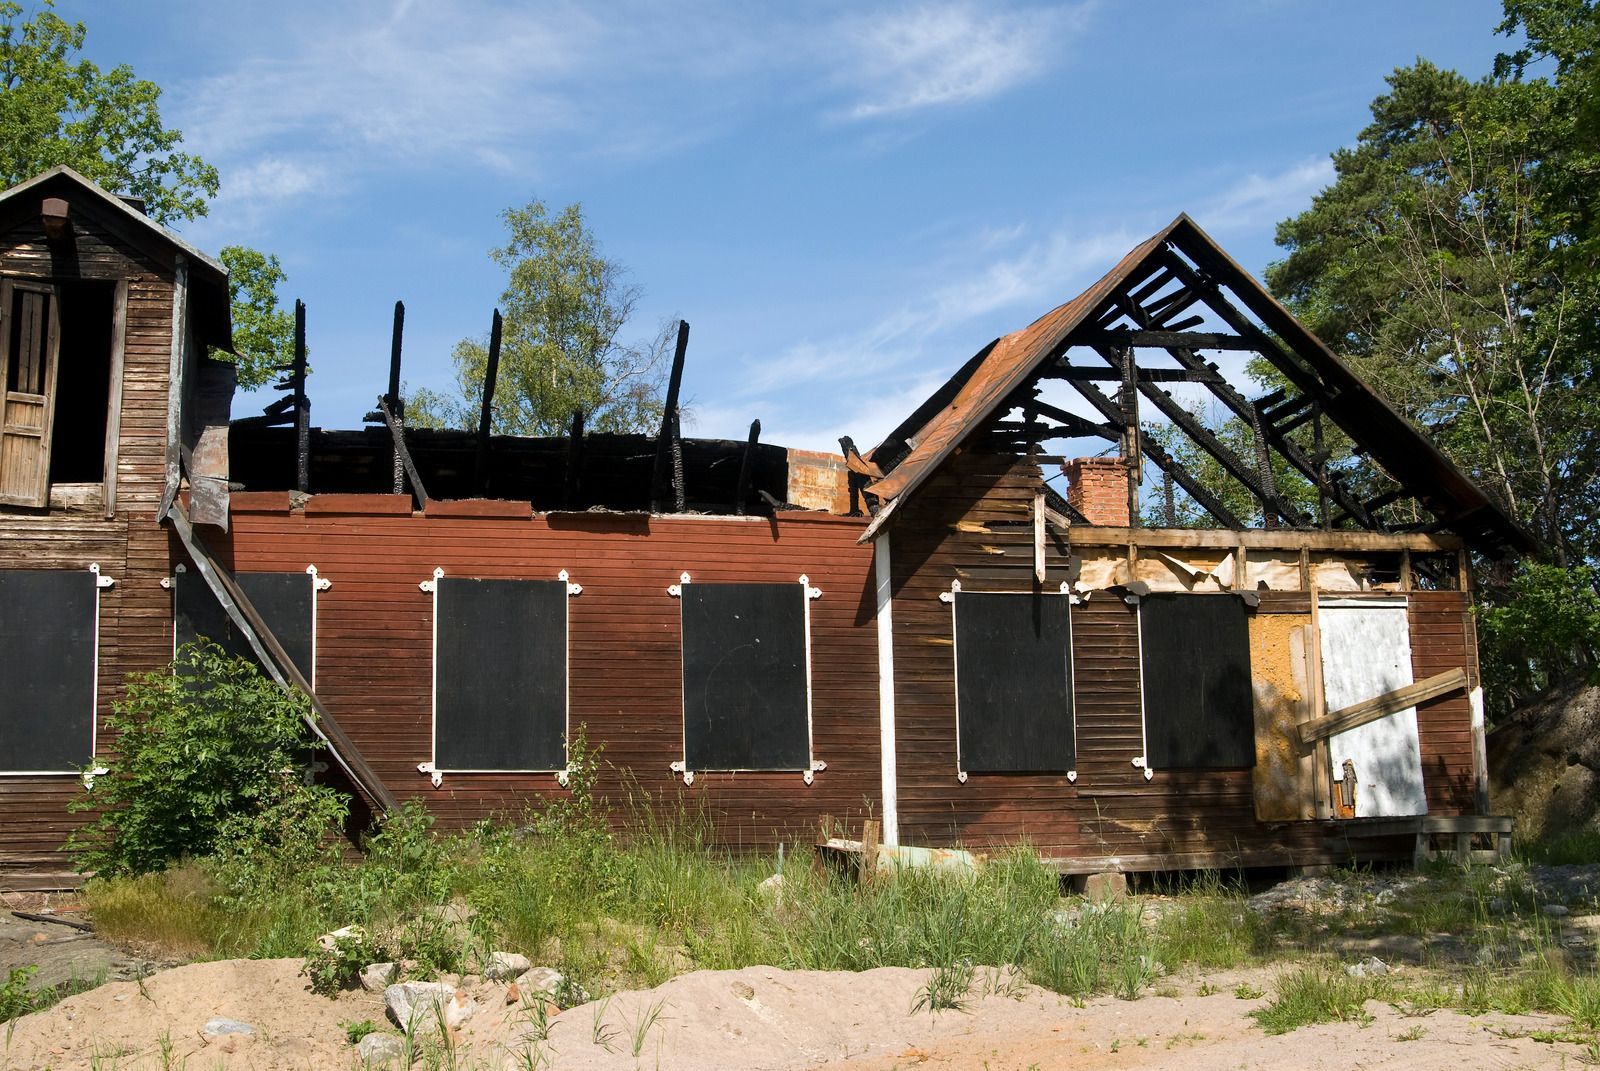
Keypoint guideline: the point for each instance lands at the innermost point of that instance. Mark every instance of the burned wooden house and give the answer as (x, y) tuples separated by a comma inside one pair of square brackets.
[(973, 657)]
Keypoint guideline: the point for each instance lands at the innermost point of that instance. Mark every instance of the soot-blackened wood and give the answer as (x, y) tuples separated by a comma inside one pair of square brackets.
[(47, 634), (742, 491), (572, 489), (500, 671), (285, 601), (397, 432), (746, 704), (491, 373), (669, 448), (1195, 662), (302, 404), (396, 406), (1014, 683)]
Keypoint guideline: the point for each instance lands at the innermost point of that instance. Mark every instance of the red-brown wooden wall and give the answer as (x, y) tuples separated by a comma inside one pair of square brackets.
[(374, 644)]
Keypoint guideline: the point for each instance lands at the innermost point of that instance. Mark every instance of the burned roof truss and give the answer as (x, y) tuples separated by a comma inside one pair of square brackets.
[(1174, 299)]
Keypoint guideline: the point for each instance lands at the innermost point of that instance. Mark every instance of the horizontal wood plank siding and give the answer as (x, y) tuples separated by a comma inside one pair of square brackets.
[(970, 523), (374, 653), (135, 615)]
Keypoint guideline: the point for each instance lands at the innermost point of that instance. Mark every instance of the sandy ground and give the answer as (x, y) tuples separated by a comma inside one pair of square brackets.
[(756, 1018)]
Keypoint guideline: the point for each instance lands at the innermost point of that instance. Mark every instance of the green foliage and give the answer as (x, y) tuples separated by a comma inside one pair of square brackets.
[(16, 999), (564, 305), (263, 332), (1544, 626), (1319, 994), (58, 108), (1441, 263), (355, 1031), (207, 758), (337, 965)]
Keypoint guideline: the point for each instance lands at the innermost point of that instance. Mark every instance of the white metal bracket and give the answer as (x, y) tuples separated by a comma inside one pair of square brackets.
[(90, 774), (817, 766), (676, 591), (683, 767), (811, 592), (321, 583), (948, 597), (431, 586), (166, 581), (572, 589), (961, 775), (100, 581), (563, 777), (1072, 775), (433, 775), (1140, 764)]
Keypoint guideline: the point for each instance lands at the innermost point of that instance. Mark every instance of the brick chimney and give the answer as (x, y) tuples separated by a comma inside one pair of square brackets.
[(1097, 487)]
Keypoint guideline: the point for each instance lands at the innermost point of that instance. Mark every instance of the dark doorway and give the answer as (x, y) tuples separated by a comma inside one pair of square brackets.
[(83, 384)]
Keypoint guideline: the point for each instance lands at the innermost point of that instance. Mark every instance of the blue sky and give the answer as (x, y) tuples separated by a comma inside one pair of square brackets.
[(845, 200)]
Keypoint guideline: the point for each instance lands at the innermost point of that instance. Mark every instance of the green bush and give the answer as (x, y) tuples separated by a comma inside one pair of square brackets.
[(1543, 628), (208, 755)]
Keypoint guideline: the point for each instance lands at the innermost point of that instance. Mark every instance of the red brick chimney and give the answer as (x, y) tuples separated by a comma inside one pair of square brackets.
[(1097, 487)]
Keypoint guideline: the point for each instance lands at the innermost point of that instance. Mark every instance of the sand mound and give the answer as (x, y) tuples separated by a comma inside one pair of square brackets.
[(759, 1017)]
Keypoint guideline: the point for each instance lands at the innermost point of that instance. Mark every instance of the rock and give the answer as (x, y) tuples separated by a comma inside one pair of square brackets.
[(344, 933), (1371, 967), (1556, 911), (376, 977), (1386, 897), (376, 1050), (422, 1005), (1105, 886), (503, 965), (216, 1028), (1498, 905), (546, 980), (513, 994)]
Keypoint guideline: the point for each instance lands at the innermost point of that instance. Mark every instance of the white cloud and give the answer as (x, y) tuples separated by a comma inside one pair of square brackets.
[(1261, 200), (931, 54)]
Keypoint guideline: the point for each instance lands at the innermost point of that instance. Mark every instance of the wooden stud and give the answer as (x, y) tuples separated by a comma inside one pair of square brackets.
[(746, 463), (572, 495), (302, 404), (397, 407), (668, 472)]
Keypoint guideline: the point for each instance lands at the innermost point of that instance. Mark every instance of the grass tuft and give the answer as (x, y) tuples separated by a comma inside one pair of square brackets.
[(1317, 994)]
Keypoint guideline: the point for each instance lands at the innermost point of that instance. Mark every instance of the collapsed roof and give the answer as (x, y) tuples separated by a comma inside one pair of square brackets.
[(1169, 294)]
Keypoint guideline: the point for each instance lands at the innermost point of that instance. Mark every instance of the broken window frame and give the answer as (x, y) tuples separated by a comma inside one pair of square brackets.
[(48, 494)]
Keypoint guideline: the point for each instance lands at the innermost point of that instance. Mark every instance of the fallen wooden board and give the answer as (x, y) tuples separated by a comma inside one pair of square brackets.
[(1370, 710)]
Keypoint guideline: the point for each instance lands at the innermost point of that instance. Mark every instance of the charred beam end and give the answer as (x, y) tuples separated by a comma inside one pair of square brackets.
[(302, 404), (667, 475), (571, 496), (1146, 375), (491, 373), (397, 406), (742, 493)]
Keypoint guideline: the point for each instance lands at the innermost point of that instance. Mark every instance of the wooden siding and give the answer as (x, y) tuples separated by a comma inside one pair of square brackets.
[(374, 648), (130, 547), (970, 523)]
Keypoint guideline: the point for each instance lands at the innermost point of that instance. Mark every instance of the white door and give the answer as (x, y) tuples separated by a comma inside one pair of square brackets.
[(1366, 651)]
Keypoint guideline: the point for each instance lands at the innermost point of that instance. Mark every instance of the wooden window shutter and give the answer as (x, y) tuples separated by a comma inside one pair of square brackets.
[(30, 335)]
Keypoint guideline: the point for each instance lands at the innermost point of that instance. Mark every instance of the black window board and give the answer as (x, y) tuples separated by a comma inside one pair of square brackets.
[(285, 601), (1014, 682), (47, 649), (746, 696), (500, 675), (1198, 709)]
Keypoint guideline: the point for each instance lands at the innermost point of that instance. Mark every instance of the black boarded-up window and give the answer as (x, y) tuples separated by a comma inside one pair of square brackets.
[(1014, 683), (746, 682), (1195, 661), (500, 675), (47, 649), (285, 601)]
